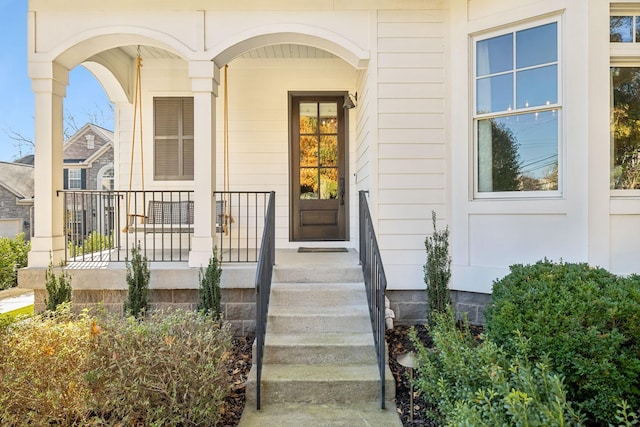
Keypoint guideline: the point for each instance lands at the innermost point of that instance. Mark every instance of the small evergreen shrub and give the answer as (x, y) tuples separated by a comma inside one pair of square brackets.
[(481, 385), (138, 276), (584, 319), (13, 256), (209, 295), (437, 270), (58, 288)]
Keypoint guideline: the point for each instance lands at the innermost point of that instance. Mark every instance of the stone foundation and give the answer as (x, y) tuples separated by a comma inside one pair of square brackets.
[(410, 307)]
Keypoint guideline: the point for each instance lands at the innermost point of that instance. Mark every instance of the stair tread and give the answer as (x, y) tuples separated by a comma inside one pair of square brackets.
[(316, 339), (322, 373), (307, 311), (337, 415)]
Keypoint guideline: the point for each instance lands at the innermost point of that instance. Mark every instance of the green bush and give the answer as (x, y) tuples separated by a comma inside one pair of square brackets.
[(94, 242), (58, 288), (209, 295), (13, 256), (170, 369), (480, 385), (138, 276), (437, 270), (584, 319)]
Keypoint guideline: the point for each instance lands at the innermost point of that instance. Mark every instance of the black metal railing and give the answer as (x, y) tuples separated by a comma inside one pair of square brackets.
[(240, 223), (376, 284), (105, 225), (264, 273)]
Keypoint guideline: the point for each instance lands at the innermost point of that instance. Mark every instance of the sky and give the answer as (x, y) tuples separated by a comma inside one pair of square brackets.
[(85, 97)]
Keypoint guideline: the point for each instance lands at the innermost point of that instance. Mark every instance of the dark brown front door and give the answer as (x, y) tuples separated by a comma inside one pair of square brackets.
[(318, 159)]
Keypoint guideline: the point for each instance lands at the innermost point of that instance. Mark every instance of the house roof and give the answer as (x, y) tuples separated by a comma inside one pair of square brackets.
[(17, 178), (77, 150)]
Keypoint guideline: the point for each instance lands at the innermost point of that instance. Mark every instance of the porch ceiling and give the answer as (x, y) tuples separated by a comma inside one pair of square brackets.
[(279, 51)]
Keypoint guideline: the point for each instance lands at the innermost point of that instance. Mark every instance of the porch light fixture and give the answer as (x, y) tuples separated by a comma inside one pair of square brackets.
[(350, 103)]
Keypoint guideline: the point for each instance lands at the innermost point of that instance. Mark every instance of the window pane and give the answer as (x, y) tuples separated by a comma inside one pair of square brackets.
[(187, 117), (308, 151), (328, 150), (625, 129), (308, 183), (536, 46), (187, 158), (166, 157), (494, 94), (308, 117), (518, 153), (537, 86), (328, 183), (494, 55), (621, 29), (328, 117)]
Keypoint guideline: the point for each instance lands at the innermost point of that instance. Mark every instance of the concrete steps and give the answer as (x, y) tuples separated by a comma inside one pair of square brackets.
[(320, 365)]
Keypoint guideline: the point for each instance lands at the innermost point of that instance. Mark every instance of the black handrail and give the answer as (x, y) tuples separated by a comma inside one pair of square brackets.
[(264, 273), (376, 284)]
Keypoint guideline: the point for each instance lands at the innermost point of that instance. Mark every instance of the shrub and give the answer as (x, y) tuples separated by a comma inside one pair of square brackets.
[(480, 385), (13, 256), (94, 242), (58, 288), (209, 294), (42, 367), (169, 369), (437, 270), (585, 319), (138, 276)]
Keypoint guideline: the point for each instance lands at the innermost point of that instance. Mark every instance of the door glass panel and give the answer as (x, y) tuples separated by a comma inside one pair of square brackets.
[(328, 117), (308, 183), (329, 150), (328, 183), (308, 117), (308, 151)]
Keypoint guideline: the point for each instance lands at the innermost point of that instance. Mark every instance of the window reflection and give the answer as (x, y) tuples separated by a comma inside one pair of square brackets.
[(621, 29), (625, 128), (318, 146)]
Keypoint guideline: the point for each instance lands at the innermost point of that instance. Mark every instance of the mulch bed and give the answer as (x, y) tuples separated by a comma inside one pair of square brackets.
[(398, 343)]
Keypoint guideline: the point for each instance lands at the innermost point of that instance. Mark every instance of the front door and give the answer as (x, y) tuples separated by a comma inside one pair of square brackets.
[(318, 159)]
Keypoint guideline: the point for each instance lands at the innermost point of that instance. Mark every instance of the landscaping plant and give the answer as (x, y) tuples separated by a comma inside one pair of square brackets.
[(94, 242), (437, 270), (585, 320), (479, 384), (13, 256), (58, 288), (138, 276), (209, 294)]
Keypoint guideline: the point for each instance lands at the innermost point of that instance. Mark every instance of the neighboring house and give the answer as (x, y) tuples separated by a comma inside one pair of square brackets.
[(88, 165), (497, 114), (16, 199)]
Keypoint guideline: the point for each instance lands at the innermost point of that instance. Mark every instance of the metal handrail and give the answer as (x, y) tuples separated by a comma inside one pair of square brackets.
[(375, 283), (264, 274)]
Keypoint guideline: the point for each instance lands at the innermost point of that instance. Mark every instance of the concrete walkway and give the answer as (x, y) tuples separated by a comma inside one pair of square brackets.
[(15, 298)]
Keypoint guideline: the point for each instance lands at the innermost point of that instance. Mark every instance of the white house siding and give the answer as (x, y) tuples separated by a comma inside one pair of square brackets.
[(411, 163)]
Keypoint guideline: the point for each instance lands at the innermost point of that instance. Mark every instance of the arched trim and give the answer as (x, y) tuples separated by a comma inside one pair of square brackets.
[(227, 50)]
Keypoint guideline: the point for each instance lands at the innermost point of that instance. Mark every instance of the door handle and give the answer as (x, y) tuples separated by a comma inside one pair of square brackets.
[(341, 181)]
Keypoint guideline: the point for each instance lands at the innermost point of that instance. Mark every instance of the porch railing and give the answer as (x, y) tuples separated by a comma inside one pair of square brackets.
[(375, 283), (264, 273), (105, 225)]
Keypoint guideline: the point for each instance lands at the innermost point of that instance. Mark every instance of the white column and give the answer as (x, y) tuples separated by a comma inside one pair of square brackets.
[(48, 82), (205, 79)]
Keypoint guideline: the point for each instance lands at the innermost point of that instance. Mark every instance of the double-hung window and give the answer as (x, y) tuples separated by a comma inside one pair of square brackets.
[(517, 111), (173, 138), (624, 35)]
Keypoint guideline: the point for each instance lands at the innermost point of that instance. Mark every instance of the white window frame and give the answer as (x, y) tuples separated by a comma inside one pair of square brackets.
[(74, 175), (181, 138), (557, 107), (622, 55)]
